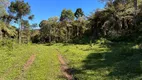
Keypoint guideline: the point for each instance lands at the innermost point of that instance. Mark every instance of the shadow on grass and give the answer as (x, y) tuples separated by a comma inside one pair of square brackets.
[(122, 62)]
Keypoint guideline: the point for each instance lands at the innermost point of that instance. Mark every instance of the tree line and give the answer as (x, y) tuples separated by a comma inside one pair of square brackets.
[(118, 20), (64, 29)]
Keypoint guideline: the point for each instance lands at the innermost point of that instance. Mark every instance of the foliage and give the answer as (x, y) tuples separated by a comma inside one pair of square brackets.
[(49, 29), (7, 30), (119, 20), (79, 13), (53, 30), (8, 43), (21, 9), (116, 20), (107, 59), (67, 15)]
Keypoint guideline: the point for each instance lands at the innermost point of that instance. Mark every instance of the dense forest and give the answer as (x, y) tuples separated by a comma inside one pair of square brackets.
[(119, 20), (97, 43)]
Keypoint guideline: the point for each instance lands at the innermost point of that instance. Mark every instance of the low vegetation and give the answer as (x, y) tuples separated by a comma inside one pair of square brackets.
[(45, 65), (116, 61), (100, 61), (107, 45)]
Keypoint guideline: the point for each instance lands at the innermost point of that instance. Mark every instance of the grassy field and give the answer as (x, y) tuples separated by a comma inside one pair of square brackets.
[(45, 66), (115, 61)]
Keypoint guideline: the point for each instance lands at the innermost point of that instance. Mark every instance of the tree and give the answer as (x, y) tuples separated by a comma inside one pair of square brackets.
[(20, 9), (135, 6), (117, 19), (67, 15), (43, 29), (49, 29), (25, 31), (79, 13), (31, 17), (53, 28), (80, 21)]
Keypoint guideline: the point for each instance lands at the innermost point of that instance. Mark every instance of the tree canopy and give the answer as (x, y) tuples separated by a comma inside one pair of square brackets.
[(67, 15), (78, 13)]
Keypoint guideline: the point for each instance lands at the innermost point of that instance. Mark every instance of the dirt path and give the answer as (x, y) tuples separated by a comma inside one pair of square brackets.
[(67, 72), (9, 70), (29, 62), (26, 66)]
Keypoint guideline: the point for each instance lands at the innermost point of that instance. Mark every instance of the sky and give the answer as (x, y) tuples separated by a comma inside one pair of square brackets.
[(44, 9)]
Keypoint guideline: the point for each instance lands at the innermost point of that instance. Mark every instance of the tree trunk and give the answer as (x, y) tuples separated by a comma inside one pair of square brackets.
[(95, 32), (69, 33), (66, 32), (29, 35), (135, 12), (0, 34), (77, 31), (49, 35), (20, 27), (135, 7)]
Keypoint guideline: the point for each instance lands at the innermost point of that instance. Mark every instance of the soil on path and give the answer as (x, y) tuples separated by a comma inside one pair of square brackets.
[(67, 72), (26, 66), (29, 62)]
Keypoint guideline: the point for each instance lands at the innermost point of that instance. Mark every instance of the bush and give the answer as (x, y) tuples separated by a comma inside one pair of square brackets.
[(9, 43), (103, 41), (35, 39)]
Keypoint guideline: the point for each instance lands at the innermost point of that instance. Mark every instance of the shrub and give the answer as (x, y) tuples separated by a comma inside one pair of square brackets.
[(9, 43)]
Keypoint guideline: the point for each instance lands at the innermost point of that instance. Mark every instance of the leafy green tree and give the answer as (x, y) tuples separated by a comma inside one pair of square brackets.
[(26, 32), (79, 27), (79, 13), (7, 19), (43, 30), (49, 29), (53, 28), (20, 9), (67, 15), (5, 29), (116, 20)]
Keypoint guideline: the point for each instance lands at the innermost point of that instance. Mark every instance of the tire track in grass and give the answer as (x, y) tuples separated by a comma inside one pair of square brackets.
[(54, 65), (46, 66), (15, 65), (26, 66), (29, 62), (67, 72)]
